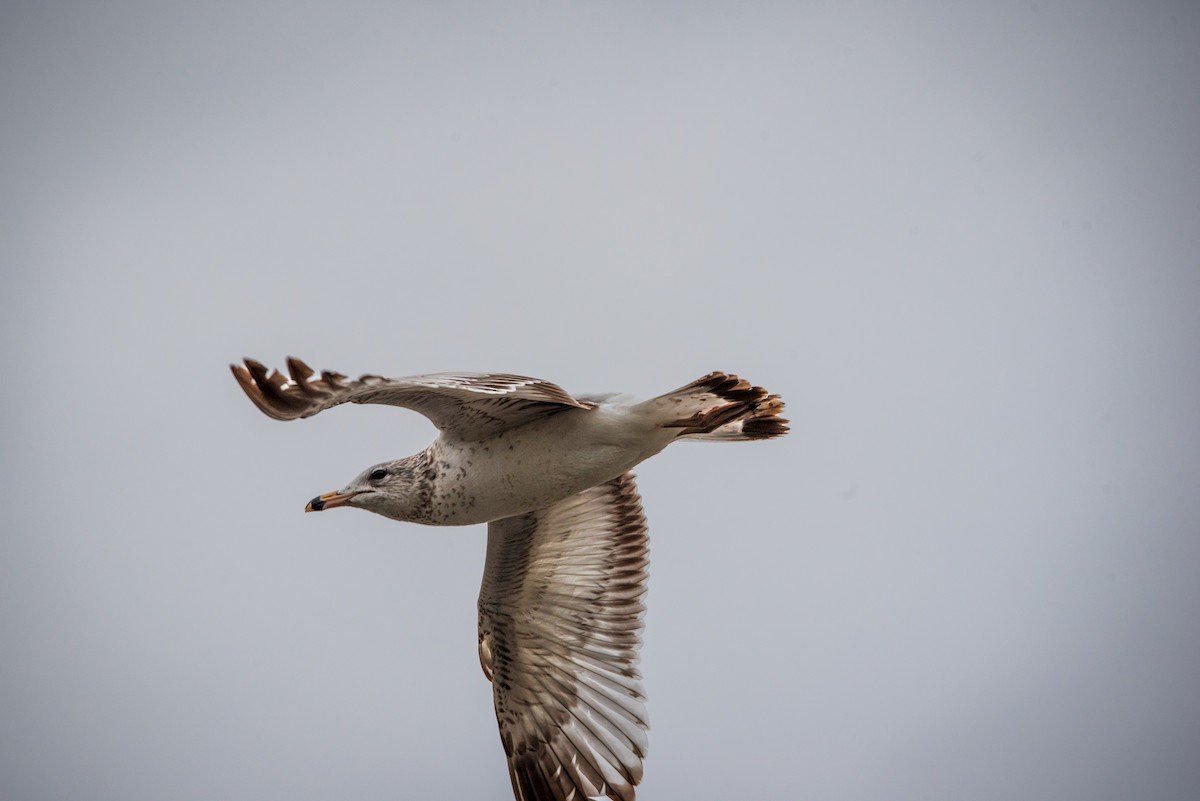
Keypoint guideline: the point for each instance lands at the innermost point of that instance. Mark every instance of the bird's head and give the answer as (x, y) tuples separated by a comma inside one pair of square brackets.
[(392, 489)]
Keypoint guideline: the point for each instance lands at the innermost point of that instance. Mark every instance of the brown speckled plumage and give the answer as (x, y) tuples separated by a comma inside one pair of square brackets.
[(561, 604)]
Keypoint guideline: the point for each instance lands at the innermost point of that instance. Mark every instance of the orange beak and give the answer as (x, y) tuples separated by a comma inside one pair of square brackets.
[(329, 500)]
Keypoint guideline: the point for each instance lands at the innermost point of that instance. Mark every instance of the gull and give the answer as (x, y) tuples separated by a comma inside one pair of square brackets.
[(561, 603)]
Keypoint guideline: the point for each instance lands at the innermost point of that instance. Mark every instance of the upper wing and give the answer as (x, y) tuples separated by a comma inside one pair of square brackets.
[(470, 405), (560, 622)]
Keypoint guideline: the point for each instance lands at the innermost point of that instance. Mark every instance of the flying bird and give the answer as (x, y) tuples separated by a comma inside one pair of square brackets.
[(560, 607)]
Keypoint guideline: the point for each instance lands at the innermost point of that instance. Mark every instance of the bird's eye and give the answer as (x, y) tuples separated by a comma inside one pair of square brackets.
[(378, 474)]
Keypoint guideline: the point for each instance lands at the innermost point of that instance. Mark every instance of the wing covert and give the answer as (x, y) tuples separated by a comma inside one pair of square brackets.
[(467, 405)]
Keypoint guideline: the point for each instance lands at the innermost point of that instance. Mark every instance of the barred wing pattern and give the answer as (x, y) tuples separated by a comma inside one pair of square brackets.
[(467, 405), (560, 622)]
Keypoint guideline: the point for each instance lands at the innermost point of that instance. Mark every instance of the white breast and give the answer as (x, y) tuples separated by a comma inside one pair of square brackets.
[(539, 464)]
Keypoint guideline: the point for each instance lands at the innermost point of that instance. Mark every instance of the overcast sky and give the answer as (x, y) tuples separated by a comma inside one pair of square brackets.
[(961, 241)]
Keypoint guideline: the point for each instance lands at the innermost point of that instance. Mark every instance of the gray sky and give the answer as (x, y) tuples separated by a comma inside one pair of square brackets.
[(962, 242)]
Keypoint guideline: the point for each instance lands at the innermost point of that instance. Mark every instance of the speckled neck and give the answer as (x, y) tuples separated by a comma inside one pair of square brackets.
[(424, 471)]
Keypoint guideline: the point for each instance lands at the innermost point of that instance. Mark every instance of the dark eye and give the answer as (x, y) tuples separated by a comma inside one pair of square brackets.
[(378, 474)]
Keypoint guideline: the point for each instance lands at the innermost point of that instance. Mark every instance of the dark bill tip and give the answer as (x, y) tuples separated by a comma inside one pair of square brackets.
[(330, 500)]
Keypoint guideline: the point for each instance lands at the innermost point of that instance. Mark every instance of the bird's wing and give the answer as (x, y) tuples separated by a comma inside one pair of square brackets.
[(560, 622), (468, 405)]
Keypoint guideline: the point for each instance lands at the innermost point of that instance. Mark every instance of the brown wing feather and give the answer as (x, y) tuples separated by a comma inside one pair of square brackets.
[(560, 622), (470, 405)]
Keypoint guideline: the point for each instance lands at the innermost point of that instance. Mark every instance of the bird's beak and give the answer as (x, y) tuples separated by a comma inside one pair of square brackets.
[(329, 500)]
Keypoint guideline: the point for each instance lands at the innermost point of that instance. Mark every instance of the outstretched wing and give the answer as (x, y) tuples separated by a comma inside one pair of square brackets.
[(560, 622), (468, 405)]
